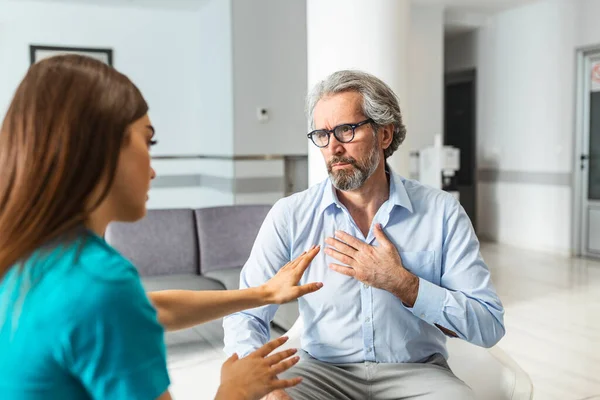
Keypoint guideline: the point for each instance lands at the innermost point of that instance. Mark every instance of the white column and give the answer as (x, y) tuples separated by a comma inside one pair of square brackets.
[(425, 102), (370, 35)]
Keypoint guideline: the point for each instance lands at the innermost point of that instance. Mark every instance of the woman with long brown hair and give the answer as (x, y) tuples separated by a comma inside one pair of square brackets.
[(76, 323)]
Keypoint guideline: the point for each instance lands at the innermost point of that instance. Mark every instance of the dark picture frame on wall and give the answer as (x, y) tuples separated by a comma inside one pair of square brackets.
[(38, 52)]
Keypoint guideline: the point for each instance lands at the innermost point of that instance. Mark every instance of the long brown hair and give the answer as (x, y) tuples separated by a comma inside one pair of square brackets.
[(59, 141)]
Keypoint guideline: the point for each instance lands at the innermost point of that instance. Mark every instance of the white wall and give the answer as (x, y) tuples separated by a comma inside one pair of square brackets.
[(214, 71), (269, 54), (525, 73), (525, 122), (258, 171), (183, 61), (194, 195), (589, 28), (425, 102), (147, 43), (180, 60)]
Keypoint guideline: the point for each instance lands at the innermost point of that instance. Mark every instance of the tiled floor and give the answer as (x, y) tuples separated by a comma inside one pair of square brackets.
[(195, 357), (552, 317)]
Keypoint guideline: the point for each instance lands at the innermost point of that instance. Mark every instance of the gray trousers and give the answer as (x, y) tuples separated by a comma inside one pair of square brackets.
[(431, 379)]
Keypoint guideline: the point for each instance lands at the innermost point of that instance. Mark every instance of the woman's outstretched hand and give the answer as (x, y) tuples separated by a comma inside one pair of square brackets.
[(283, 287), (255, 376)]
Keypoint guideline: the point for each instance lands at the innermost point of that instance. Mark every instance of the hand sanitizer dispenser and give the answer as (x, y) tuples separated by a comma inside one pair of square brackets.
[(437, 166)]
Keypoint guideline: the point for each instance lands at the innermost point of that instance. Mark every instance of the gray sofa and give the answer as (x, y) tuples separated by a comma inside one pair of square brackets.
[(202, 249)]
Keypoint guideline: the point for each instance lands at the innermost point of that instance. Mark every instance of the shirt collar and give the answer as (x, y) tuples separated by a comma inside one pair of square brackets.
[(329, 197), (398, 194)]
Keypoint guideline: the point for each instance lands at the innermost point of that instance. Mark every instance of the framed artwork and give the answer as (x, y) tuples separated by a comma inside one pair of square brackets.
[(37, 52)]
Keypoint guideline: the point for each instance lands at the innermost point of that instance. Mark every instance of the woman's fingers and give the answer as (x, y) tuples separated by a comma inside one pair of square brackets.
[(282, 355), (284, 365), (305, 260), (308, 288), (269, 347), (286, 383)]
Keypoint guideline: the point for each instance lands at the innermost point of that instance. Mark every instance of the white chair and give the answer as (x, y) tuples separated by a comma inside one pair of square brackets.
[(491, 373)]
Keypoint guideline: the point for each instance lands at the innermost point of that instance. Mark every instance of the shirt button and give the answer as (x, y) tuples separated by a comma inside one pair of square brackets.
[(367, 320), (369, 349), (366, 286), (422, 315)]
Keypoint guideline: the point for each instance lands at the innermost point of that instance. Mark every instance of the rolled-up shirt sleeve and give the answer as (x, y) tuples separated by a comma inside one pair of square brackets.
[(248, 330), (465, 301)]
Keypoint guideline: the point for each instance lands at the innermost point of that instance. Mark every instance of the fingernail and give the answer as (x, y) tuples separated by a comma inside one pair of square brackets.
[(284, 338), (319, 285)]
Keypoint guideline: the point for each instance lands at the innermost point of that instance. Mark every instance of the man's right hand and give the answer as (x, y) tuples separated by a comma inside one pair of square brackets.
[(277, 395)]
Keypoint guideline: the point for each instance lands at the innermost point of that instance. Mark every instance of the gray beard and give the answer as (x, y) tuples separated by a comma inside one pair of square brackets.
[(354, 179)]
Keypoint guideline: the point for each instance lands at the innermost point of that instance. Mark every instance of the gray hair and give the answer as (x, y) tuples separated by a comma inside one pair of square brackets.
[(379, 101)]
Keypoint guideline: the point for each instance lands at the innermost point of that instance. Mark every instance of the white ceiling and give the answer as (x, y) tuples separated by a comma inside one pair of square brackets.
[(461, 15), (470, 5), (173, 4), (485, 6)]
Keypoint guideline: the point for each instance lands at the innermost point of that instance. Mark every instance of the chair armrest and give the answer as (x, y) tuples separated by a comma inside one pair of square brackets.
[(491, 373), (523, 388), (294, 335)]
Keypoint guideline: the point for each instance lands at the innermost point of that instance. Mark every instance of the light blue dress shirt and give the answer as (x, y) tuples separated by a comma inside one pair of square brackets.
[(349, 322)]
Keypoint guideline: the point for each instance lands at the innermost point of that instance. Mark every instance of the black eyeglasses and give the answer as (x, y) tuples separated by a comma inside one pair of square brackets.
[(343, 133)]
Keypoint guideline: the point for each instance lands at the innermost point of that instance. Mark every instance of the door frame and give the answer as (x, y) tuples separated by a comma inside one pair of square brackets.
[(461, 76), (581, 146)]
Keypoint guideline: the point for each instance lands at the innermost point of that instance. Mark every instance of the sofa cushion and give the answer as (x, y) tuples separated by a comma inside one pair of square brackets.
[(230, 277), (162, 243), (180, 282), (226, 234)]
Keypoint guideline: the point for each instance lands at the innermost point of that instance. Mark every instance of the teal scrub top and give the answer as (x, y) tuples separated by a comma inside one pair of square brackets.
[(77, 324)]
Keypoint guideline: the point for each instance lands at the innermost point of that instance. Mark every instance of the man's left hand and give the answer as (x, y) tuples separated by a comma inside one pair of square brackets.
[(377, 266)]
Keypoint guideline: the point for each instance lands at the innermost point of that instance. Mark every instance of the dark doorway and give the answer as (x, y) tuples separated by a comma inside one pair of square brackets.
[(459, 131)]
